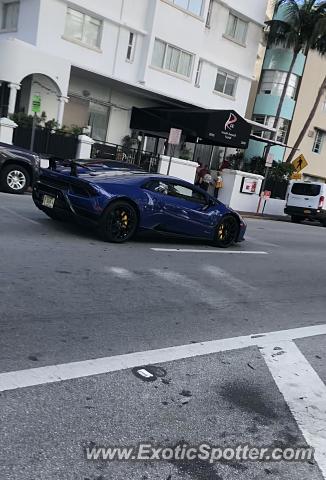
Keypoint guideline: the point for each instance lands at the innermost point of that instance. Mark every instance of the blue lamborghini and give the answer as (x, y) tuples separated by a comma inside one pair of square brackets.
[(121, 200)]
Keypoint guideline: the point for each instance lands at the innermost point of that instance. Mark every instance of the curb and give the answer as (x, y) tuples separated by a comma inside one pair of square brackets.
[(259, 216)]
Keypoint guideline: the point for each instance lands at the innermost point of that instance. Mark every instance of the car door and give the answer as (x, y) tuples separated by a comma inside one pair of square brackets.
[(187, 210)]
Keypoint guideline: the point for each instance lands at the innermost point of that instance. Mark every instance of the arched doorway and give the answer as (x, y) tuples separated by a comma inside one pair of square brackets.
[(43, 86)]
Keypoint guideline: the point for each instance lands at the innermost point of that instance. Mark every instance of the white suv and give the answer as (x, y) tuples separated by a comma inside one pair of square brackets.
[(306, 200)]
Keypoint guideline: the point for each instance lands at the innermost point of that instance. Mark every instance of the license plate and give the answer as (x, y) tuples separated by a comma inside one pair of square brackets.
[(48, 201), (307, 211)]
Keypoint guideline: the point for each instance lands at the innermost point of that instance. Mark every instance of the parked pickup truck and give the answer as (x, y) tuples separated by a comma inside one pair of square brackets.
[(19, 168)]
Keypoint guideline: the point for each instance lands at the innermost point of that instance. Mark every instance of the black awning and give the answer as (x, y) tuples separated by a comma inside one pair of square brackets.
[(214, 127)]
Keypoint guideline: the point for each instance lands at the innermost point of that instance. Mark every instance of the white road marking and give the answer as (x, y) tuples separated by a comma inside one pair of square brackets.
[(68, 371), (219, 251), (209, 297), (15, 214), (300, 385), (120, 272), (303, 391), (228, 279), (261, 242)]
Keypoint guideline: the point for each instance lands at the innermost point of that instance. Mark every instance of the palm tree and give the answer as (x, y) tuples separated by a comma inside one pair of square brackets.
[(302, 29), (307, 123)]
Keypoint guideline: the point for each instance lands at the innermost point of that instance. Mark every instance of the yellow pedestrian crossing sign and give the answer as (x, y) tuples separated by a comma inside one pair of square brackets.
[(300, 163)]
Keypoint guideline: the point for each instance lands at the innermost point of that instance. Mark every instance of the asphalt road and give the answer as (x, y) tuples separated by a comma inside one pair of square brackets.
[(66, 297)]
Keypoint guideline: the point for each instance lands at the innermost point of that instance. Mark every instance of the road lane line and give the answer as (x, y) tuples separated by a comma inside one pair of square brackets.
[(15, 214), (193, 250), (122, 273), (227, 279), (68, 371), (303, 391)]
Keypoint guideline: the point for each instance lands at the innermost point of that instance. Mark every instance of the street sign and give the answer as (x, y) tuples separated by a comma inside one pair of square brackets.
[(300, 163), (175, 136), (269, 160), (36, 103), (296, 176)]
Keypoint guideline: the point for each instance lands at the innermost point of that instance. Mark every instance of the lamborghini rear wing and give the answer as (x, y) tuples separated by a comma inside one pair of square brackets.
[(73, 164)]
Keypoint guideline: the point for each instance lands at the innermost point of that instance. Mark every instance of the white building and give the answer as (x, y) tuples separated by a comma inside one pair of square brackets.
[(91, 62)]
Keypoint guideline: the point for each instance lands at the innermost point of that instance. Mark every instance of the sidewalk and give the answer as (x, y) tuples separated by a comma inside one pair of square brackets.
[(259, 216)]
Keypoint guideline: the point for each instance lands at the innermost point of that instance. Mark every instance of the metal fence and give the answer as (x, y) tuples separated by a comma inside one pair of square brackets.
[(146, 160), (47, 142), (277, 187)]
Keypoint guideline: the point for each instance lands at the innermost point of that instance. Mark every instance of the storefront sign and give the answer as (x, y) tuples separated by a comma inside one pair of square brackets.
[(249, 185), (175, 136), (36, 104), (232, 130)]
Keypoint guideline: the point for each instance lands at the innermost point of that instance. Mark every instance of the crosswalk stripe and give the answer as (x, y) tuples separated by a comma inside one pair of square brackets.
[(212, 298), (303, 391), (227, 279), (68, 371), (120, 272)]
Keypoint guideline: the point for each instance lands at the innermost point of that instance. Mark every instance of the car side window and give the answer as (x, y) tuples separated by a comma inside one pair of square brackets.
[(180, 191), (156, 186)]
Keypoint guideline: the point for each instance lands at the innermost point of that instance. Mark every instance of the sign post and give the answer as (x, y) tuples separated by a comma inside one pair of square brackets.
[(174, 139), (269, 163), (36, 108)]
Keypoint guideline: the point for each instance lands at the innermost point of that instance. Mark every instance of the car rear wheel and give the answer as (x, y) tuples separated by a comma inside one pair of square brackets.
[(227, 232), (296, 219), (14, 179), (119, 223)]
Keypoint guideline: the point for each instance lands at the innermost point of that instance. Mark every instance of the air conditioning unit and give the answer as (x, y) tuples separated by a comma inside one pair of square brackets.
[(311, 133)]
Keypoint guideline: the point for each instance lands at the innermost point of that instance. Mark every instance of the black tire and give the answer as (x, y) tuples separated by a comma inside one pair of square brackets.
[(119, 223), (14, 179), (296, 219), (227, 232)]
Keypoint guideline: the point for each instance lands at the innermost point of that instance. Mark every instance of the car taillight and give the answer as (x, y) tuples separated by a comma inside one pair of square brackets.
[(321, 202)]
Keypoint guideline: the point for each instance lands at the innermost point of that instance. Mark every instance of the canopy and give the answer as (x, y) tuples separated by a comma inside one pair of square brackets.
[(213, 127)]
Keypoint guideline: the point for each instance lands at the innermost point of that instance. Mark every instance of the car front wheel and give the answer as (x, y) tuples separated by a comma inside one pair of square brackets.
[(226, 232), (14, 179), (119, 223)]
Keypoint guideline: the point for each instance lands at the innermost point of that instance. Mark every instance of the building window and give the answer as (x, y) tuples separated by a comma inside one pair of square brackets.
[(282, 128), (237, 29), (198, 73), (83, 28), (209, 14), (131, 47), (10, 12), (193, 6), (323, 105), (226, 83), (273, 83), (319, 140), (172, 58)]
